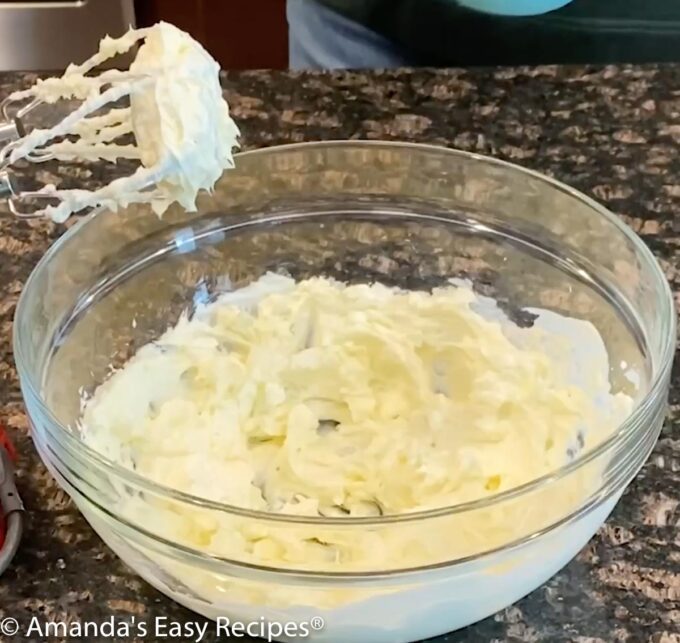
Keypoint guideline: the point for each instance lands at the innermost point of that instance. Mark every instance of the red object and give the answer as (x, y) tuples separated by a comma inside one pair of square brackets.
[(4, 442), (9, 447)]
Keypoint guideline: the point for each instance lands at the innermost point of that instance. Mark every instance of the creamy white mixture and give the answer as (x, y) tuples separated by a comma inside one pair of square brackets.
[(183, 133), (322, 399)]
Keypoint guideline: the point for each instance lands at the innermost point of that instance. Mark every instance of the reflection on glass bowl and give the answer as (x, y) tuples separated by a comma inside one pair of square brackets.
[(405, 215)]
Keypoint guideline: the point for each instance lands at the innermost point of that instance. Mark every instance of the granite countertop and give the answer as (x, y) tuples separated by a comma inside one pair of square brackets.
[(611, 132)]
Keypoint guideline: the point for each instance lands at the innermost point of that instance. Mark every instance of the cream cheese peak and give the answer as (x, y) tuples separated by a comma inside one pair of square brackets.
[(183, 133)]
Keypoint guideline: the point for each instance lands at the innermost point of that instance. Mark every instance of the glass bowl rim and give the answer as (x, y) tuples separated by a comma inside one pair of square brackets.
[(656, 387)]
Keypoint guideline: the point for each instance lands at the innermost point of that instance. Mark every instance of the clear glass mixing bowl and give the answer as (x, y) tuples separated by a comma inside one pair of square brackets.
[(408, 215)]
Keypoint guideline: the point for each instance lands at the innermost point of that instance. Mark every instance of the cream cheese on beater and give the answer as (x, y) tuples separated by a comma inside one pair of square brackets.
[(319, 398), (183, 134)]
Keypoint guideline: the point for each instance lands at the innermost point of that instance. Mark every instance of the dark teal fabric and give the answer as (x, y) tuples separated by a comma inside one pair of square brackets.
[(439, 32)]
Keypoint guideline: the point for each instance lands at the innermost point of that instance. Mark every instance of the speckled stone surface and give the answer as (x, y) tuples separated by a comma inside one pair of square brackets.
[(612, 133)]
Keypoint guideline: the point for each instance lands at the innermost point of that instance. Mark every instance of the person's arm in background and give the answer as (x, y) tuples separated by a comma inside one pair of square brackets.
[(320, 37), (446, 33)]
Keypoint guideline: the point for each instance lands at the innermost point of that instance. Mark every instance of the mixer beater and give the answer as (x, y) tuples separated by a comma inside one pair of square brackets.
[(173, 122)]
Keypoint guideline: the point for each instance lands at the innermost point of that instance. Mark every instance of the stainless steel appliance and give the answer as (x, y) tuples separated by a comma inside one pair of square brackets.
[(43, 35)]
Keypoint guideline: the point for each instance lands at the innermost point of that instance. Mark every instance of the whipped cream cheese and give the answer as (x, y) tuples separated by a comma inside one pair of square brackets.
[(322, 399), (183, 134)]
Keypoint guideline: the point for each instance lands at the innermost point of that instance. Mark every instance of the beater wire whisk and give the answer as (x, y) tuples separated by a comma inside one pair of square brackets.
[(166, 113)]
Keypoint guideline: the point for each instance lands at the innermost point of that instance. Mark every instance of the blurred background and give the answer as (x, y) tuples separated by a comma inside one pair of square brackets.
[(248, 34), (48, 35)]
